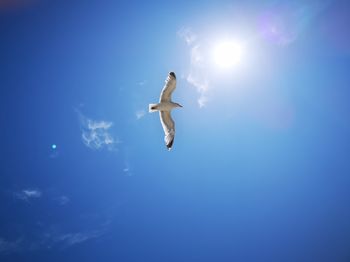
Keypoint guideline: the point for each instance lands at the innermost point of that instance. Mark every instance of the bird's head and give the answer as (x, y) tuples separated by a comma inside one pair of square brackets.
[(172, 74)]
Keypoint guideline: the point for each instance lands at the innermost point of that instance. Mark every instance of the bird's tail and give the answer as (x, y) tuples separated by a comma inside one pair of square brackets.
[(152, 108)]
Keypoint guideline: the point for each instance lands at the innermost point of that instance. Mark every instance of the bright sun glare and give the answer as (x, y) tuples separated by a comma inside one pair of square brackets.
[(228, 54)]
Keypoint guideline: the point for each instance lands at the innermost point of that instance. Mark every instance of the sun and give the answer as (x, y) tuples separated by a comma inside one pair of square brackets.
[(228, 54)]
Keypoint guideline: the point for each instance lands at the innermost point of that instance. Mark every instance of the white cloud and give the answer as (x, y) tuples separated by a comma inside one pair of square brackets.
[(140, 113), (27, 194), (96, 134), (197, 75)]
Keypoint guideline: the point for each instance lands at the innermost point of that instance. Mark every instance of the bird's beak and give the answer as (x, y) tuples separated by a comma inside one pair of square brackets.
[(180, 105)]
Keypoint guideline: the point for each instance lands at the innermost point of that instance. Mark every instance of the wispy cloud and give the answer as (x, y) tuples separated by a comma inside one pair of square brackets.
[(187, 34), (127, 169), (50, 239), (43, 234), (27, 194), (62, 200), (9, 246), (56, 237), (197, 79), (71, 239), (30, 193), (202, 100), (140, 113), (96, 134), (197, 75), (142, 83)]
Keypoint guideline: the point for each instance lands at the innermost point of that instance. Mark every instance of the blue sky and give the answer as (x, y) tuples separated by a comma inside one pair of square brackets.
[(259, 169)]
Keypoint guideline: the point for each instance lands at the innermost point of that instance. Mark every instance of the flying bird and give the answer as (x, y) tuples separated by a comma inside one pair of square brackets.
[(164, 107)]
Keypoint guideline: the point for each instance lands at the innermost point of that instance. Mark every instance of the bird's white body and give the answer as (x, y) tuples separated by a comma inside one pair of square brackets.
[(164, 107)]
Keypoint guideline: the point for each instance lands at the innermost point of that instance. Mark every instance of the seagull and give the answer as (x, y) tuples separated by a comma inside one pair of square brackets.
[(164, 107)]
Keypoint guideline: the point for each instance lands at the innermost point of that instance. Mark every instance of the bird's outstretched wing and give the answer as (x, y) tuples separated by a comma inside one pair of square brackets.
[(169, 87), (168, 127)]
